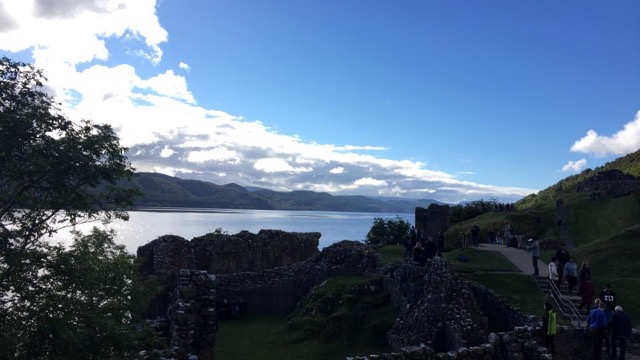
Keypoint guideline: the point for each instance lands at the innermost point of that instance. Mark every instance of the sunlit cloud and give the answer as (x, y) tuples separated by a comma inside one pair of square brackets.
[(622, 142), (369, 182), (184, 66), (575, 166)]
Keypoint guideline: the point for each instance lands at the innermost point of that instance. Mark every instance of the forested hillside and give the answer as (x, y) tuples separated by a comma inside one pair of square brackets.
[(167, 191)]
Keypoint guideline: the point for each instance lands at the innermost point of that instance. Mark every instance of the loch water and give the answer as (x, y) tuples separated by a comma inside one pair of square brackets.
[(148, 224)]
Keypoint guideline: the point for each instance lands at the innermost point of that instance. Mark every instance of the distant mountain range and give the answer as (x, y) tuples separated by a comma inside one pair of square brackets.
[(167, 191)]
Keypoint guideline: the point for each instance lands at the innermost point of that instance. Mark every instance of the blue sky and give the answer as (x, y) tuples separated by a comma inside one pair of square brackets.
[(452, 100)]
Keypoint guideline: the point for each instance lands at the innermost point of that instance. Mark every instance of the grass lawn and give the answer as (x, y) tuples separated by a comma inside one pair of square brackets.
[(496, 272), (390, 253), (339, 319), (479, 261)]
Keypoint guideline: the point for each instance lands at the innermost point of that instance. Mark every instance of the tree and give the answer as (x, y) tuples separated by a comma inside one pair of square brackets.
[(84, 304), (378, 234), (387, 231), (53, 173)]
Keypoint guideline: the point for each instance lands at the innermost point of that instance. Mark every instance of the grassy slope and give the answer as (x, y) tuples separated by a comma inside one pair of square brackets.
[(494, 271)]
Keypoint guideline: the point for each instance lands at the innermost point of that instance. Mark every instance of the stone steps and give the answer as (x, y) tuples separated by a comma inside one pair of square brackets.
[(543, 284)]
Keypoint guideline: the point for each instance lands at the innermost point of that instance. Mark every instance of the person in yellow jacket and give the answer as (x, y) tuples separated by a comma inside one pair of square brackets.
[(549, 326)]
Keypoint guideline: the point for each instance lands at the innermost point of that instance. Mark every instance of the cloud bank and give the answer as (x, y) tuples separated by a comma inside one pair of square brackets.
[(159, 119), (622, 142), (575, 166)]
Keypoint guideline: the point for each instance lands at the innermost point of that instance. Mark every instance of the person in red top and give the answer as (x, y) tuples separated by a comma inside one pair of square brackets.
[(587, 291)]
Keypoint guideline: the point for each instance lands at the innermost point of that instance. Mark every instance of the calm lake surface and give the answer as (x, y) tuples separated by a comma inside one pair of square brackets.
[(148, 224)]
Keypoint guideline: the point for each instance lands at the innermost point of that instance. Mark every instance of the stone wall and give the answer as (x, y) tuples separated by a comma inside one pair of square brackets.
[(436, 307), (433, 219), (220, 253), (245, 251), (612, 183), (519, 344), (277, 291), (192, 315)]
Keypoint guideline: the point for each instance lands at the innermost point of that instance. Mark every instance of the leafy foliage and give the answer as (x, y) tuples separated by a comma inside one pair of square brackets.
[(387, 231), (56, 173), (84, 302)]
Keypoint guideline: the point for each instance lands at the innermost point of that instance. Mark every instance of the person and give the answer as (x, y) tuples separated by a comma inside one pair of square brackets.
[(620, 327), (534, 250), (563, 258), (597, 322), (440, 243), (408, 249), (571, 274), (414, 239), (475, 235), (585, 272), (586, 293), (507, 231), (430, 248), (419, 255), (553, 275), (491, 235), (549, 326), (513, 242), (609, 298)]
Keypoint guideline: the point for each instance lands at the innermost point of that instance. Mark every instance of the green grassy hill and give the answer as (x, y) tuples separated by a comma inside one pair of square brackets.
[(604, 229)]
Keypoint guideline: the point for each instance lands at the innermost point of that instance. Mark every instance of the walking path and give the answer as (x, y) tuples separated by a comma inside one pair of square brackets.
[(518, 257)]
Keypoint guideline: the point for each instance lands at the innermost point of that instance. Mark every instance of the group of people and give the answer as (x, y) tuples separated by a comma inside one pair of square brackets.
[(493, 237), (613, 327), (421, 247), (607, 322)]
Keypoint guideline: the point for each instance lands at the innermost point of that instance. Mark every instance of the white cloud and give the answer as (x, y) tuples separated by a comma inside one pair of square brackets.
[(220, 153), (166, 152), (575, 166), (169, 84), (369, 182), (51, 28), (158, 118), (622, 142), (274, 165)]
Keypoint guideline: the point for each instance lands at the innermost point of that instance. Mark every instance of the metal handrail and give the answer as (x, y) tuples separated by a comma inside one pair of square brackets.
[(564, 302)]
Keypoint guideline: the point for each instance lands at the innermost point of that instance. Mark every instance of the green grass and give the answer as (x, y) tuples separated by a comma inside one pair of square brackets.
[(615, 261), (491, 269), (480, 261), (390, 253), (517, 289), (344, 317)]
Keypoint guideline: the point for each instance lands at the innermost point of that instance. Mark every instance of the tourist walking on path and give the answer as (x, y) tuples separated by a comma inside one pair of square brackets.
[(620, 326), (597, 322), (587, 291), (534, 250), (549, 326), (571, 273), (475, 234), (585, 272), (609, 298), (507, 231), (553, 276), (563, 258)]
